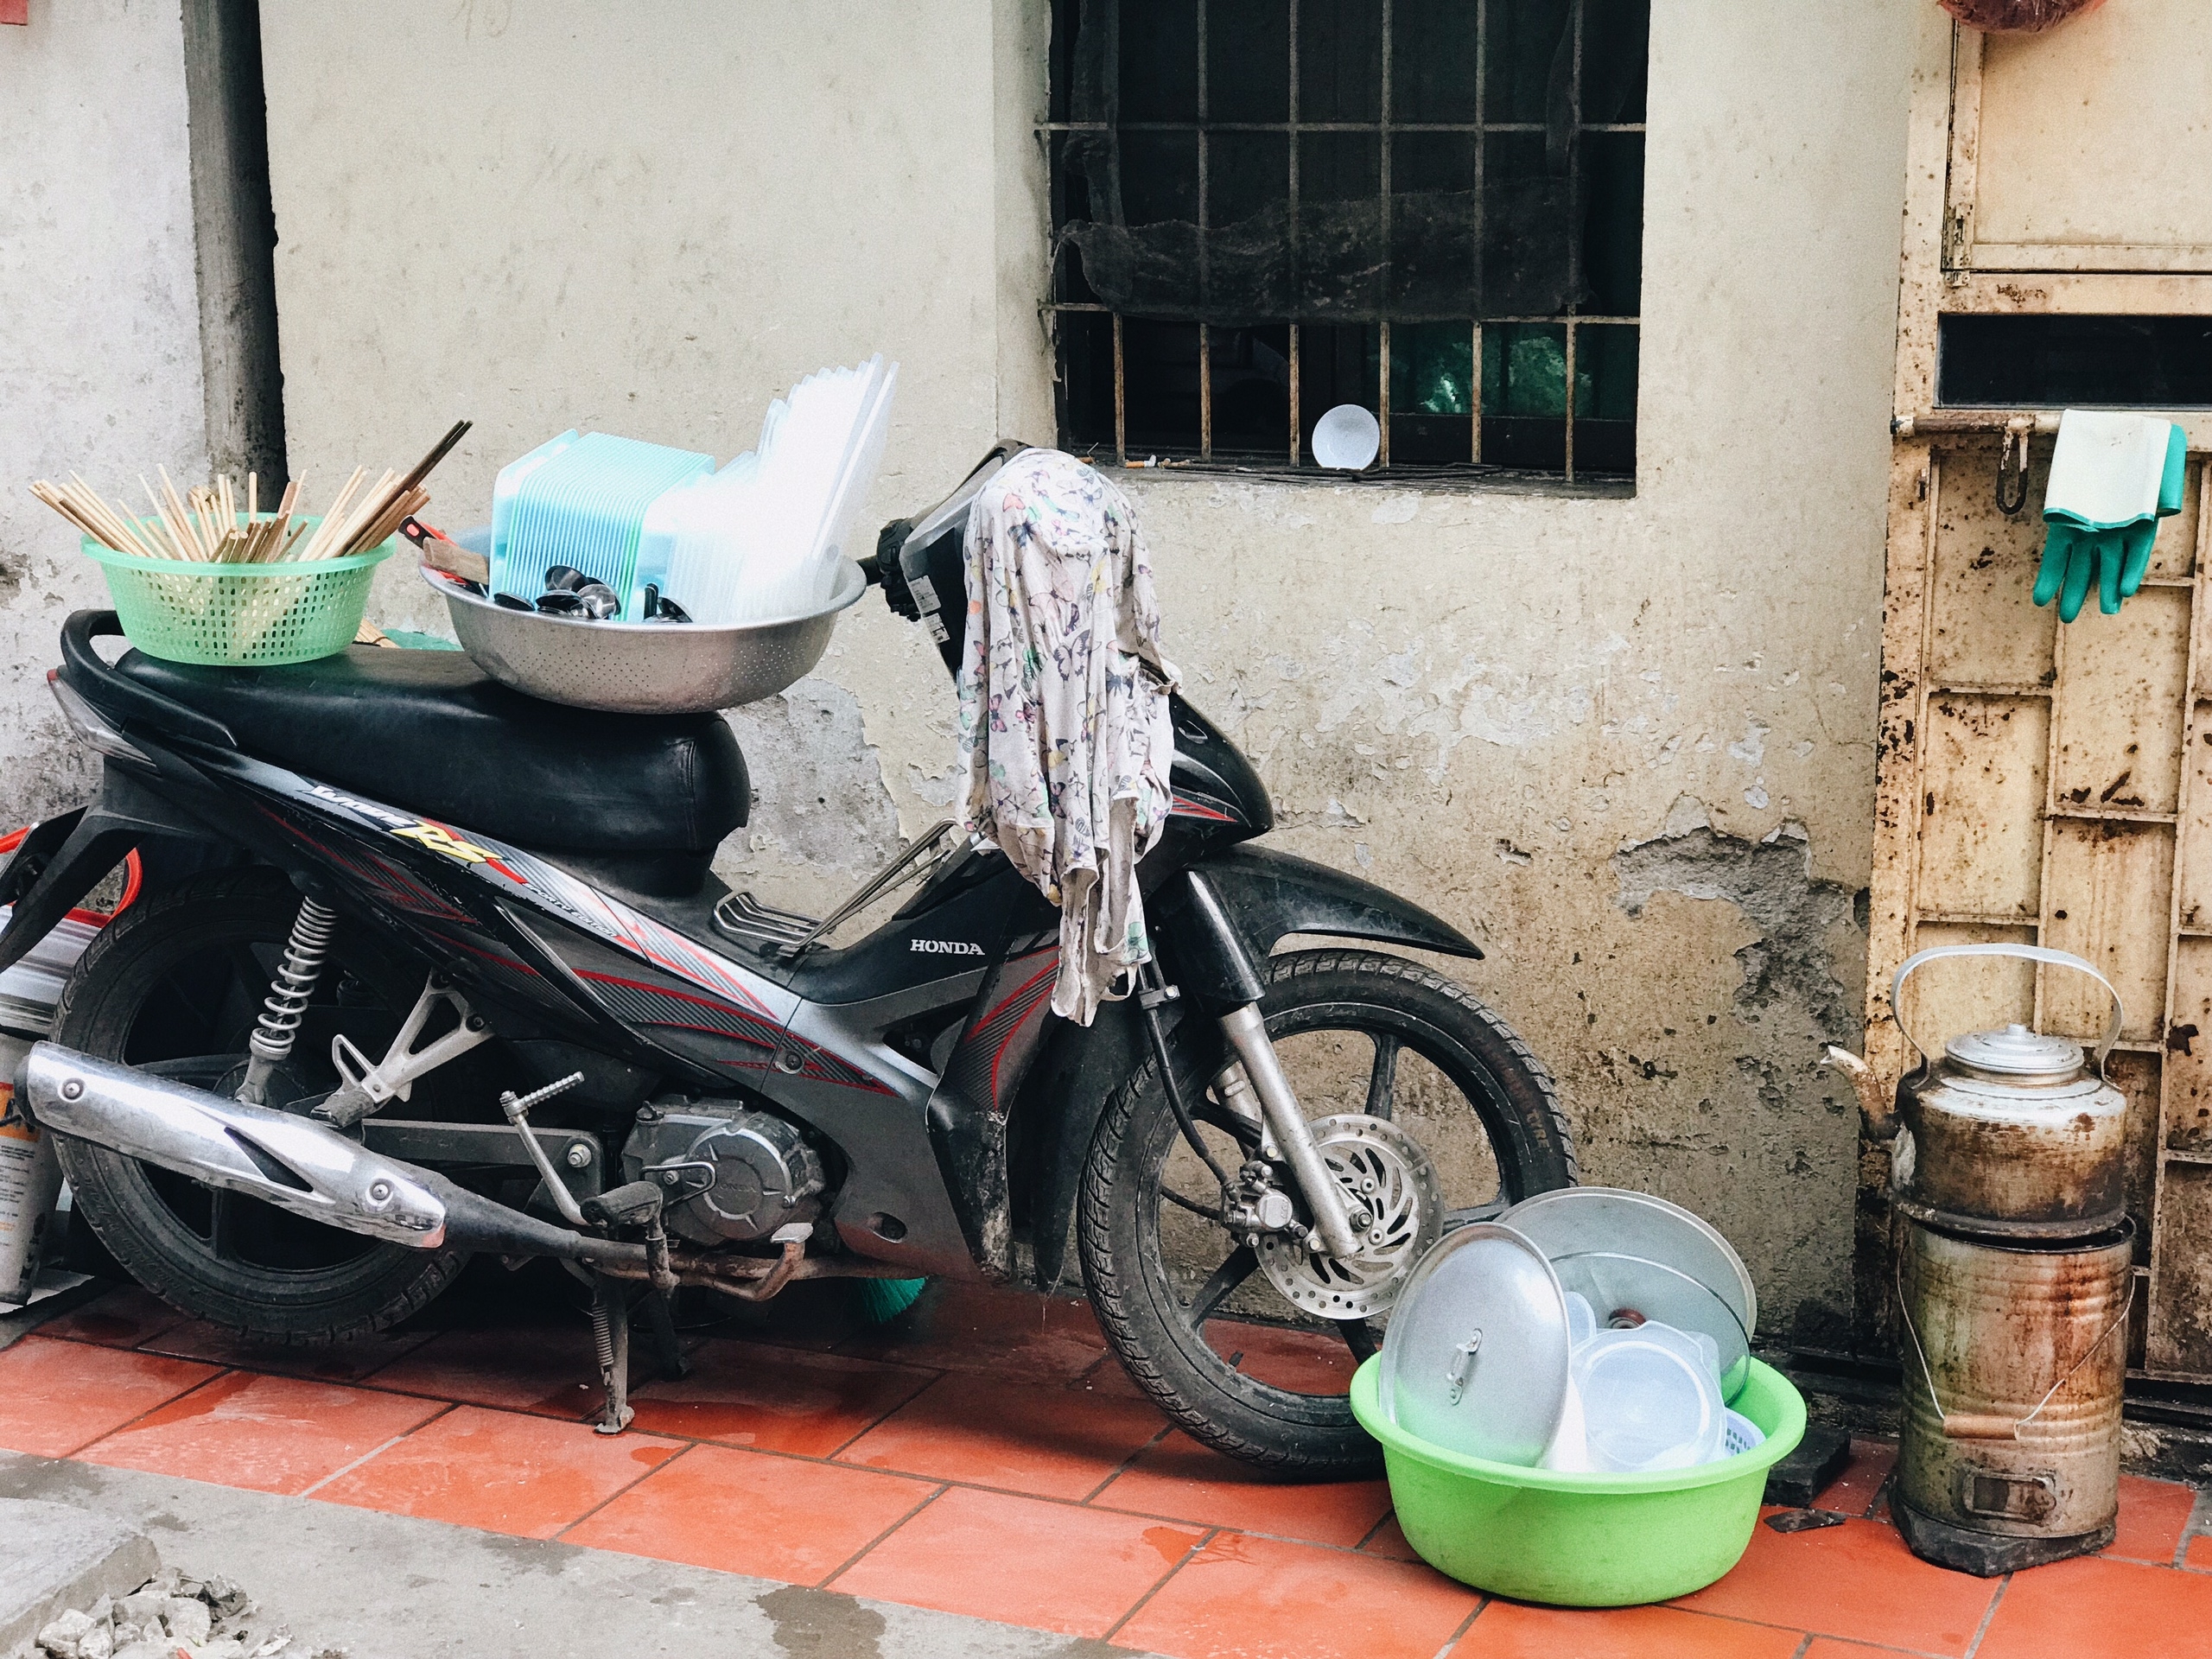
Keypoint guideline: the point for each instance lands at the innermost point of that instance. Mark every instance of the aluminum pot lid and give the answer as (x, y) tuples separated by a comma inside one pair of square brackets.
[(1575, 1220), (2016, 1052), (1475, 1359)]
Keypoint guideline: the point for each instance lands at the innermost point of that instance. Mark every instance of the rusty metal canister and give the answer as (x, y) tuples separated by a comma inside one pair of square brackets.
[(2013, 1365), (2015, 1274)]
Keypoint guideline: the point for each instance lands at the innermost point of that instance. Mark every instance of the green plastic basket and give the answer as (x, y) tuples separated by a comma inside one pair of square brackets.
[(240, 615), (1583, 1540)]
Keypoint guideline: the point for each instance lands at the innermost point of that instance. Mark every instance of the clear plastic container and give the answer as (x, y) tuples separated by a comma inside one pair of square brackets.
[(1650, 1399), (505, 489), (1569, 1451)]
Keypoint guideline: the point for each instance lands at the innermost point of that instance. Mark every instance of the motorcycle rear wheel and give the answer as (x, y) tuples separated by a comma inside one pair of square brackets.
[(169, 985), (1361, 1035)]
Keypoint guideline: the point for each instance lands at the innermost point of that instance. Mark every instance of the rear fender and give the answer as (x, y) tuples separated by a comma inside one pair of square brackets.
[(64, 859)]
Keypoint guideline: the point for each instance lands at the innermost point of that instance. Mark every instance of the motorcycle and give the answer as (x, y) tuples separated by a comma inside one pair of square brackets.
[(422, 967)]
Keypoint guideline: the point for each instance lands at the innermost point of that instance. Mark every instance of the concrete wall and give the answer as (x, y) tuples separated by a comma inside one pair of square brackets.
[(99, 331), (1626, 742)]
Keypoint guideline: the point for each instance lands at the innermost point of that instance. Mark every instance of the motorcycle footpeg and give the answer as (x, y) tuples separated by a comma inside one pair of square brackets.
[(629, 1205)]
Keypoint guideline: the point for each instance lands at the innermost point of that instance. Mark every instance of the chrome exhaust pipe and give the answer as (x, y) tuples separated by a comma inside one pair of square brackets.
[(295, 1163)]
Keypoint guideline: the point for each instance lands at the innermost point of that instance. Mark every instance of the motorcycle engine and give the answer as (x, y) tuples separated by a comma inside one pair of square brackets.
[(730, 1171)]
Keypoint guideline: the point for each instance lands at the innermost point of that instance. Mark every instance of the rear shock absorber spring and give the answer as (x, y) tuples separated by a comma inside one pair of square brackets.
[(285, 1007)]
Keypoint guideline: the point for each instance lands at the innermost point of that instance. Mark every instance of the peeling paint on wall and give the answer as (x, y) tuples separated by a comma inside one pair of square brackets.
[(823, 817), (1771, 882)]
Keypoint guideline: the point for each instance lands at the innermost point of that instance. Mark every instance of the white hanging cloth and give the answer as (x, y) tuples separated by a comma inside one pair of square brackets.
[(1065, 731)]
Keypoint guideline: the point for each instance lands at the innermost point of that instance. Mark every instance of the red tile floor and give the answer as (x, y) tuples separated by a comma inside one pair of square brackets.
[(983, 1455)]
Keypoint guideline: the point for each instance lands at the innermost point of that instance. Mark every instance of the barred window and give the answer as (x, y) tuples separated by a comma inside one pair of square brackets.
[(1431, 208)]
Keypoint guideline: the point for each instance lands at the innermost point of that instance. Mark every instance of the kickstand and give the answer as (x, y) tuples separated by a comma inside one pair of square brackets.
[(669, 1352), (610, 1330)]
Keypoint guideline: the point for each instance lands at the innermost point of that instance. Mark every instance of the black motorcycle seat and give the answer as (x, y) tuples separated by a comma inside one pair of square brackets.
[(432, 732)]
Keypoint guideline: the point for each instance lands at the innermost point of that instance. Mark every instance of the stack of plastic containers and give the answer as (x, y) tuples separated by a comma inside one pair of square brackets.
[(759, 541), (581, 500), (762, 539)]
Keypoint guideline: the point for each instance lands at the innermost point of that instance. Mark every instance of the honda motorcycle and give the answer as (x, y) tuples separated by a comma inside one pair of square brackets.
[(423, 967)]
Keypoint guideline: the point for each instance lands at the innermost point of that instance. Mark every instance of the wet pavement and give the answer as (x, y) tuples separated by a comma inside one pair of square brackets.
[(982, 1457)]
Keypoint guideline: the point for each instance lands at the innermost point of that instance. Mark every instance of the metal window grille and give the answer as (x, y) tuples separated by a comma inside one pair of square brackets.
[(1199, 102)]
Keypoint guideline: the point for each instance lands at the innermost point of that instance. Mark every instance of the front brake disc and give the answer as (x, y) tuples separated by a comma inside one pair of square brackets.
[(1384, 1174)]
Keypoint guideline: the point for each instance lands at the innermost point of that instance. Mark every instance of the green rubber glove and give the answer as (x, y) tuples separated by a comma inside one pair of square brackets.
[(2069, 562), (2170, 482), (2134, 559), (2116, 560)]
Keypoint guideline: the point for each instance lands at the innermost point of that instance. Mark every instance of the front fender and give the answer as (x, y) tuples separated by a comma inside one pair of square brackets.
[(1217, 921)]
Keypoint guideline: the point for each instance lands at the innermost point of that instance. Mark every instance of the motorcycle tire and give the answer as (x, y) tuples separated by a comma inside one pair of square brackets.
[(303, 1284), (1148, 1321)]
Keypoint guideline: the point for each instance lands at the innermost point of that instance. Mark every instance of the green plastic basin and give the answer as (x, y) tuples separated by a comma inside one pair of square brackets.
[(1583, 1540)]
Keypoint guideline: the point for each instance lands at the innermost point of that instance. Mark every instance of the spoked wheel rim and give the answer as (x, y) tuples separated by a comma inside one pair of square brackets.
[(1377, 1085)]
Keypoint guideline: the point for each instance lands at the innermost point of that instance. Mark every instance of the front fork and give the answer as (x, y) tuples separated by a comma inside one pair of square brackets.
[(1283, 1120), (1247, 1034)]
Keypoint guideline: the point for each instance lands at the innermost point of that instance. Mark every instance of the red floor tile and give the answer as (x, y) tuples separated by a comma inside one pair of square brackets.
[(1006, 1332), (1829, 1647), (121, 1318), (1856, 1581), (56, 1396), (776, 1399), (1185, 1481), (2200, 1552), (266, 1433), (747, 1512), (1852, 1493), (1389, 1540), (1304, 1361), (2099, 1609), (345, 1361), (1243, 1596), (1051, 1566), (2153, 1515), (501, 1472), (1047, 1442), (1507, 1629), (548, 1369)]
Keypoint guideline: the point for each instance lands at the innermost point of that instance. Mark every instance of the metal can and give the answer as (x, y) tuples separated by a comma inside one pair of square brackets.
[(31, 1180), (30, 1173), (2014, 1359)]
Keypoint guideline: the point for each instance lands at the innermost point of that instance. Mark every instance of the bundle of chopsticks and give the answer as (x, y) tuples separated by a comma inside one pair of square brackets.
[(202, 526)]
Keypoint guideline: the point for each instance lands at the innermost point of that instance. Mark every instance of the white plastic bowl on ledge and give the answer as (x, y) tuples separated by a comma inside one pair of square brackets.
[(1347, 439)]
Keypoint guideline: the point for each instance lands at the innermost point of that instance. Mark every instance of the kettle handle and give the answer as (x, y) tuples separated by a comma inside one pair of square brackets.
[(2027, 952)]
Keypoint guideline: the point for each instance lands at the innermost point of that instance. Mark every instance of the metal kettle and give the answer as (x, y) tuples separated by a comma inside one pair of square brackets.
[(2009, 1135)]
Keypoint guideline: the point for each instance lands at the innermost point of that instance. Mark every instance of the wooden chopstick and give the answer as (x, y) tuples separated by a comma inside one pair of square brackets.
[(203, 524)]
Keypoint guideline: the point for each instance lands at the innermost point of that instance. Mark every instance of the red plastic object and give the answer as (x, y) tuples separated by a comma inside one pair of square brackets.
[(15, 11), (2016, 16), (133, 874)]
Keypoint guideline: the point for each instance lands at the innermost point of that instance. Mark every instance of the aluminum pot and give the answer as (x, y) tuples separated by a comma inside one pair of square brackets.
[(2011, 1134), (2014, 1359)]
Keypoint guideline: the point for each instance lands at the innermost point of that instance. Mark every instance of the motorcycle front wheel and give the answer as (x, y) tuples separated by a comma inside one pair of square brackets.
[(1238, 1351), (171, 987)]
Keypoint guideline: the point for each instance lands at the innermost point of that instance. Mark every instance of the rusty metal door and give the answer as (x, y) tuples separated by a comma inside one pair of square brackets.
[(2053, 786)]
